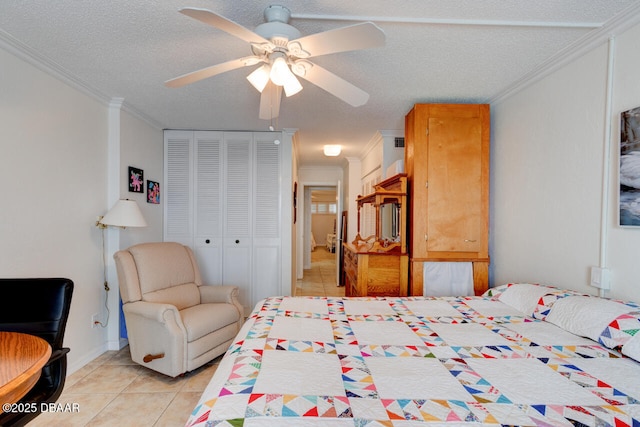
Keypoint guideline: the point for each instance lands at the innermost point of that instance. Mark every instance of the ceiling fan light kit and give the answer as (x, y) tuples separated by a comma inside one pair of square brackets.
[(260, 77), (283, 53), (292, 86), (279, 73)]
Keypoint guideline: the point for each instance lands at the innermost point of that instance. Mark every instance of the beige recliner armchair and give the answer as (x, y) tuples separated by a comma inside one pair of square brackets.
[(175, 323)]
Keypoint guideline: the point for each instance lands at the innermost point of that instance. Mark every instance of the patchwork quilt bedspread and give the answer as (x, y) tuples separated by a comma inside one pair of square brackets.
[(314, 361)]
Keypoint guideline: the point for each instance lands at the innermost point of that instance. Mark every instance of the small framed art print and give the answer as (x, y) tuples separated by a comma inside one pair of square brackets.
[(136, 180), (153, 192)]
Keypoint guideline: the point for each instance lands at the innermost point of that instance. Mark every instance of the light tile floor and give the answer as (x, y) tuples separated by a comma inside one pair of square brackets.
[(113, 391), (320, 280)]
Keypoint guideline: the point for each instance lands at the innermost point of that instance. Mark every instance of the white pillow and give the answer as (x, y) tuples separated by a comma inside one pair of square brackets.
[(585, 316), (524, 297)]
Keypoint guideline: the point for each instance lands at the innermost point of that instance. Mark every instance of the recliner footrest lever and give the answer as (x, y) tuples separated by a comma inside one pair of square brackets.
[(149, 357)]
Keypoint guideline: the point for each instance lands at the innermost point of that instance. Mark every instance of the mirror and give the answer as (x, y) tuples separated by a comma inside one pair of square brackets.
[(390, 222)]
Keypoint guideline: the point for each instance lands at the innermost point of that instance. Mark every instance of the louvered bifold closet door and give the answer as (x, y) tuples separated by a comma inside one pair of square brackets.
[(178, 161), (267, 246), (208, 205), (237, 240)]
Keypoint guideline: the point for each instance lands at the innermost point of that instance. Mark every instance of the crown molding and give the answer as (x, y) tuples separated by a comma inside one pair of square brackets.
[(52, 68), (615, 26)]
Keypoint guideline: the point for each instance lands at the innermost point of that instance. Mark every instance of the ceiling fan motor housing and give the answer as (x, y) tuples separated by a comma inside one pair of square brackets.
[(277, 25), (277, 13)]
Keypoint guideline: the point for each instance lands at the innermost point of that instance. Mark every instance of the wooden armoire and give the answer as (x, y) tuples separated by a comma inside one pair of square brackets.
[(447, 166)]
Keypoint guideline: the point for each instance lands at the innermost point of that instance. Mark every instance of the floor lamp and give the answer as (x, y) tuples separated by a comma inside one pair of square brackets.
[(125, 213)]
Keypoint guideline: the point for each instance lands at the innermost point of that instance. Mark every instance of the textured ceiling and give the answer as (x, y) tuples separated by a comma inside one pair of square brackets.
[(436, 51)]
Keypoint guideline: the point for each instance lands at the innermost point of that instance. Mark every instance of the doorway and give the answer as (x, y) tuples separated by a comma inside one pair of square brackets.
[(322, 243)]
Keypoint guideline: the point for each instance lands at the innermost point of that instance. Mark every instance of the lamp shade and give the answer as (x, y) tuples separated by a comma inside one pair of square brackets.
[(332, 150), (125, 213)]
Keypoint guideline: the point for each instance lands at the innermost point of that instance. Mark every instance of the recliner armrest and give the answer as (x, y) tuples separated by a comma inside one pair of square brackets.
[(151, 310), (218, 293)]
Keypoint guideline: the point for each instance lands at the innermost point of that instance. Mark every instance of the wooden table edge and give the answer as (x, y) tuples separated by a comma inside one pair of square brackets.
[(19, 386)]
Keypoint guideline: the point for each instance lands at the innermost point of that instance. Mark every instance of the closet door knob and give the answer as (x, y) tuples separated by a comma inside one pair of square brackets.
[(237, 241), (207, 241)]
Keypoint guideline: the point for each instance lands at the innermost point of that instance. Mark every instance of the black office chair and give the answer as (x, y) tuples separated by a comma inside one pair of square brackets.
[(38, 307)]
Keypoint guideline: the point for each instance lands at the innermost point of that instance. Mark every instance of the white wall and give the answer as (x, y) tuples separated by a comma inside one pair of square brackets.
[(322, 223), (623, 244), (371, 161), (549, 176), (52, 176), (352, 188), (142, 146), (53, 184)]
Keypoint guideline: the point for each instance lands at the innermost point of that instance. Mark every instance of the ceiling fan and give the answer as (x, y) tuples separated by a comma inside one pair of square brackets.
[(284, 54)]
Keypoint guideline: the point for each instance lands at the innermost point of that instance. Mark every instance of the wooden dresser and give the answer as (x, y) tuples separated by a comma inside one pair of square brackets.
[(378, 265), (374, 273)]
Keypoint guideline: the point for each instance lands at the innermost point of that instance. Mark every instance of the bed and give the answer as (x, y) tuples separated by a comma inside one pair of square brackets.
[(522, 354)]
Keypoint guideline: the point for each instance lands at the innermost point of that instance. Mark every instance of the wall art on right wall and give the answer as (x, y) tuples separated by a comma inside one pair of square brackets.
[(630, 167)]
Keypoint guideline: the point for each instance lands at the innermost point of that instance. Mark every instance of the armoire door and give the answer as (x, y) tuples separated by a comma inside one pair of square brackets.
[(454, 192)]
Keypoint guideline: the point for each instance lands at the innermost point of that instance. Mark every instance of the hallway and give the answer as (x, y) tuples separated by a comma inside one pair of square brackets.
[(320, 280)]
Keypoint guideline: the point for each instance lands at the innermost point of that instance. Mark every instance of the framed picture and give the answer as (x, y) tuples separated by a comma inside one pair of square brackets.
[(630, 167), (153, 192), (136, 180)]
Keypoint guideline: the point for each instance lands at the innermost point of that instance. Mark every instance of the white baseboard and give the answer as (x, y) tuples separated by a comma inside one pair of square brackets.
[(89, 357)]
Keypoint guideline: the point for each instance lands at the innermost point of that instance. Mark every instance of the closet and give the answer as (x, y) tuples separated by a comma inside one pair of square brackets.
[(228, 197), (447, 166)]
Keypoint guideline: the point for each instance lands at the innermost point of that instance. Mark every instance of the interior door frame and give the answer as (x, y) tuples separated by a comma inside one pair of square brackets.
[(303, 249)]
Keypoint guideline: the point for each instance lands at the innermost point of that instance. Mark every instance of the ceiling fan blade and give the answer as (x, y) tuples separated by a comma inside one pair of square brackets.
[(270, 101), (204, 73), (354, 37), (333, 84), (224, 24)]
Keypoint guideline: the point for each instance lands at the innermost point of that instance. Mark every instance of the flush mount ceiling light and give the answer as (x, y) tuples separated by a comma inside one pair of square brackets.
[(283, 52), (332, 150)]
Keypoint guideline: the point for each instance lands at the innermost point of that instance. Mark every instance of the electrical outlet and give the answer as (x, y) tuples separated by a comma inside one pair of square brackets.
[(94, 320)]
